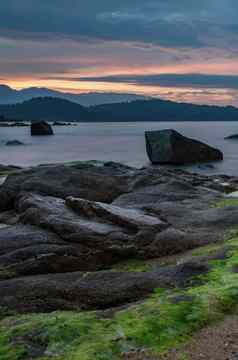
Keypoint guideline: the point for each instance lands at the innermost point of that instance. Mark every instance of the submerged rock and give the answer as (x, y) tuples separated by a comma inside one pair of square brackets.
[(41, 128), (170, 147)]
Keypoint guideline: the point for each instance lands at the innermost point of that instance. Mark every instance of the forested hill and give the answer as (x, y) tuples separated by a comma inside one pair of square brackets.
[(162, 110), (51, 109)]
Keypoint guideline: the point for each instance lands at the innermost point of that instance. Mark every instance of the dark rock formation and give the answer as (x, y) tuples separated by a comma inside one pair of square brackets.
[(41, 128), (97, 183), (59, 123), (8, 168), (95, 290), (62, 229), (170, 147), (231, 137), (14, 143), (97, 235)]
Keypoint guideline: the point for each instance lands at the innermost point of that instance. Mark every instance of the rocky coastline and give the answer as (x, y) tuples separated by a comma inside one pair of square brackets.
[(69, 232)]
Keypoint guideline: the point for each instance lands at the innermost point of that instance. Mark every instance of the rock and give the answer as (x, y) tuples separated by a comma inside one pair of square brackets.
[(93, 235), (8, 168), (28, 250), (58, 123), (170, 190), (231, 137), (206, 167), (106, 233), (95, 290), (173, 241), (41, 128), (13, 238), (128, 218), (14, 143), (78, 235), (170, 147), (62, 227), (76, 291), (97, 183), (108, 182)]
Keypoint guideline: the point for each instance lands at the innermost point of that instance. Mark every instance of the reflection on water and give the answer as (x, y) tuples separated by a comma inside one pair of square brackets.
[(122, 142)]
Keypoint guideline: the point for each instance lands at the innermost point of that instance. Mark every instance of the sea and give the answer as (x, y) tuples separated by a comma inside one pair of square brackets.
[(119, 142)]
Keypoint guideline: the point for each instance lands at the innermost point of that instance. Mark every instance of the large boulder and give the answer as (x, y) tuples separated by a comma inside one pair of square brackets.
[(170, 147), (41, 128)]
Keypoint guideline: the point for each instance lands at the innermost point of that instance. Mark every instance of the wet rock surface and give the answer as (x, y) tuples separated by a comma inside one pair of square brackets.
[(65, 226)]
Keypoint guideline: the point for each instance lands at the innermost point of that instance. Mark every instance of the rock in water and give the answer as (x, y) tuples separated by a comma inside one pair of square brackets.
[(170, 147), (41, 128), (14, 143), (232, 137)]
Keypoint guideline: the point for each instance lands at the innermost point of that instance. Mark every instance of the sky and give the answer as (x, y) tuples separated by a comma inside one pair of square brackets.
[(182, 50)]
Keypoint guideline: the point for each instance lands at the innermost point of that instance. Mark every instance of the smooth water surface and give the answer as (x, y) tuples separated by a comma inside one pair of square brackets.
[(122, 142)]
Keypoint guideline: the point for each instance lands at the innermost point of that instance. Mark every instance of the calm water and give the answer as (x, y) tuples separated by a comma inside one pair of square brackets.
[(122, 142)]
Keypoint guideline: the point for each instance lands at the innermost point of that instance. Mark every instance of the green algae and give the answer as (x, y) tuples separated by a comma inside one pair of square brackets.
[(167, 319), (206, 250), (226, 202), (133, 265)]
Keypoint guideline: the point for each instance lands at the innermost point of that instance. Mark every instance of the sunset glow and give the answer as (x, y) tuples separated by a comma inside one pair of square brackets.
[(95, 42)]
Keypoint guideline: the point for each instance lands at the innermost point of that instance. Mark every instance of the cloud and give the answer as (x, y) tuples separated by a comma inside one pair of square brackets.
[(67, 40), (173, 80), (167, 23)]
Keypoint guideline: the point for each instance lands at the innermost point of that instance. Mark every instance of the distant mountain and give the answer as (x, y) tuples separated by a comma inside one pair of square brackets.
[(54, 109), (11, 96), (47, 108)]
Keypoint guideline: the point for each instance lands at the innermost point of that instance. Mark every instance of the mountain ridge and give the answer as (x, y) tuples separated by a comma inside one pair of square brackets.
[(9, 96)]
